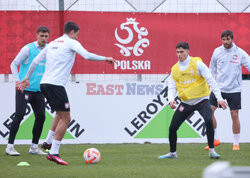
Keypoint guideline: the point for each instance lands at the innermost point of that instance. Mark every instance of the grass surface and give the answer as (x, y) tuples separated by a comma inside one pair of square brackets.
[(122, 160)]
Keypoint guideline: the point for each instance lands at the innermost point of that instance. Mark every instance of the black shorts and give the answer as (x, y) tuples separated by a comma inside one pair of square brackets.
[(233, 100), (56, 97)]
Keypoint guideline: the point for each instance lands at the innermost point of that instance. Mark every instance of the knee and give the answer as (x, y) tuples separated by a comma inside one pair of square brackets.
[(65, 116), (234, 114), (68, 119)]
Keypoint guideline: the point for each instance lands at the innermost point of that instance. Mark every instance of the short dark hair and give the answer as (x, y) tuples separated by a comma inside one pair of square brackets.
[(227, 33), (68, 26), (42, 29), (183, 45)]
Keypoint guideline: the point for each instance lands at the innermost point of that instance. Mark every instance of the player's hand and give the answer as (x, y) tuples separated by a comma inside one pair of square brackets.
[(23, 84), (17, 83), (110, 60), (223, 104), (172, 104)]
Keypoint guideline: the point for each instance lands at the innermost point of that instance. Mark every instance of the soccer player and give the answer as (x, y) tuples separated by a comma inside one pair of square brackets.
[(30, 95), (226, 66), (60, 56), (191, 77)]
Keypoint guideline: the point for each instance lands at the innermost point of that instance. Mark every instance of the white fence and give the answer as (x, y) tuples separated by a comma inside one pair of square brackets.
[(163, 6)]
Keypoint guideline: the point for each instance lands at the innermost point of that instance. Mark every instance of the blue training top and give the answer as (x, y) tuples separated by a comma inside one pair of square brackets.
[(37, 74)]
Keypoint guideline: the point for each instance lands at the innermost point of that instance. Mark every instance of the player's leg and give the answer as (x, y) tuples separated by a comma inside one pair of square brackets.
[(38, 106), (236, 128), (205, 111), (236, 122), (48, 142), (181, 113), (47, 90), (60, 131), (214, 122), (21, 104), (58, 100), (234, 102), (214, 104)]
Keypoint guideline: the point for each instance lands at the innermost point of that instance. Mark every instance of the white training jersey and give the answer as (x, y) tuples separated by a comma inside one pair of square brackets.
[(60, 57), (226, 67), (202, 70)]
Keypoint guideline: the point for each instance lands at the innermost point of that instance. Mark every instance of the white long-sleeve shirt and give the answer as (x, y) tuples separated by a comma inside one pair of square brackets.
[(226, 67), (202, 70), (22, 56), (60, 57)]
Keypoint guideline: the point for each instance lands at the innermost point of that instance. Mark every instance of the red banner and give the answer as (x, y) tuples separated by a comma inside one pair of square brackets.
[(141, 42)]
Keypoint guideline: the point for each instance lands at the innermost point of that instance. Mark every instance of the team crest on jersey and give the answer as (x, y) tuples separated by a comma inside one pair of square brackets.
[(66, 105), (191, 72), (235, 57), (181, 108)]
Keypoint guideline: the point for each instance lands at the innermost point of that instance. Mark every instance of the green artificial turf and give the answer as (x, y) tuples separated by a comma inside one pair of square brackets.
[(122, 160)]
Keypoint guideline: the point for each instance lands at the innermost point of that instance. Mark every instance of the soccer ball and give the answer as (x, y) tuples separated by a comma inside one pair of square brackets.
[(91, 156)]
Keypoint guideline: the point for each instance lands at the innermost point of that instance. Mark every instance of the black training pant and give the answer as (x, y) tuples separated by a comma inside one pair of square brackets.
[(36, 99), (182, 113)]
